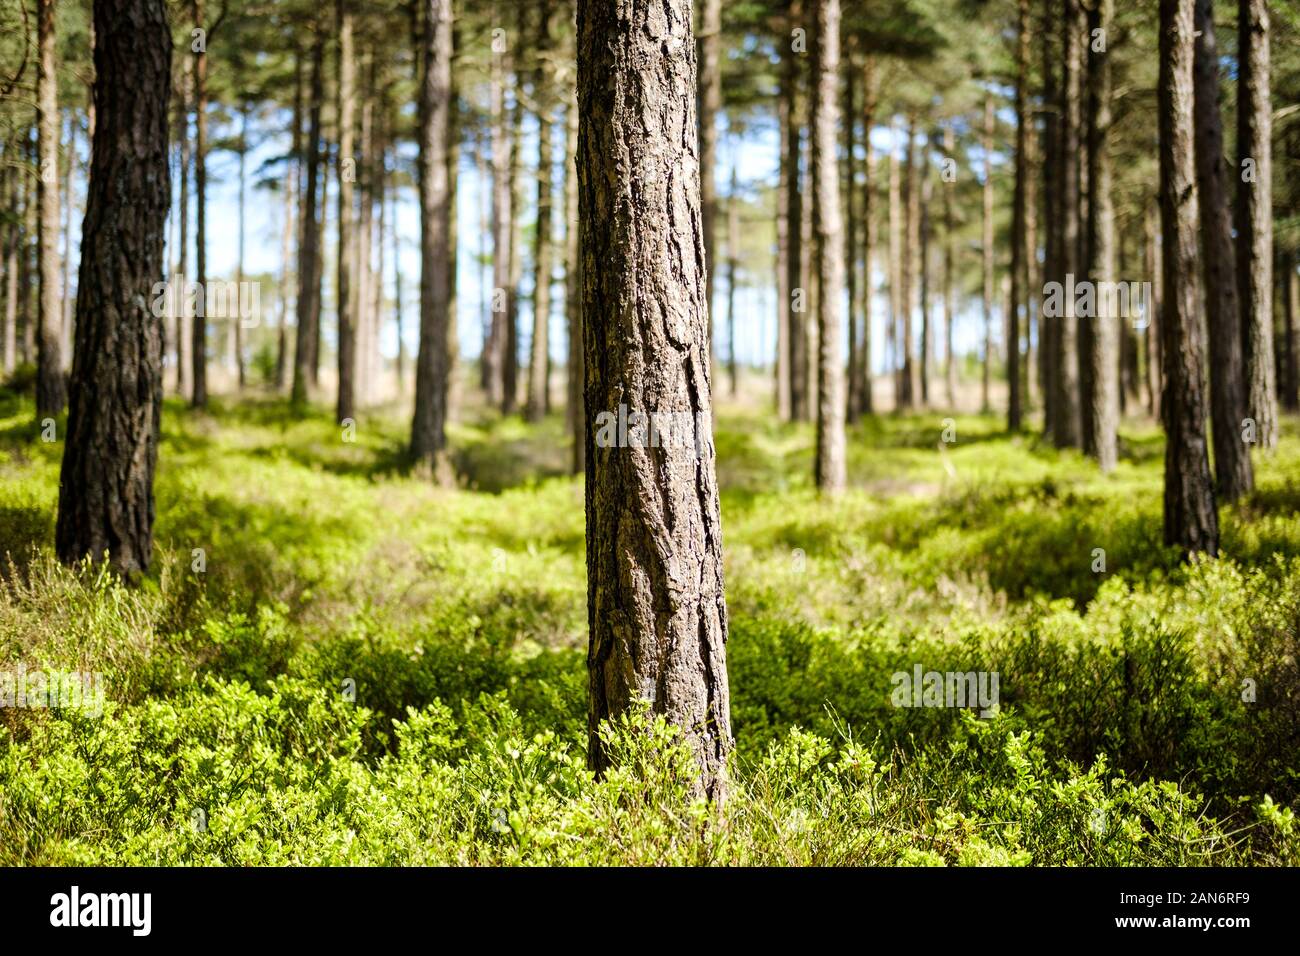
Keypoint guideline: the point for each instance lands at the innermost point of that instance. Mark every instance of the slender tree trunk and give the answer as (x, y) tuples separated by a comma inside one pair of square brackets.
[(494, 349), (538, 384), (1066, 431), (907, 270), (1290, 292), (786, 240), (710, 100), (428, 438), (287, 279), (304, 357), (862, 370), (1105, 322), (828, 251), (1154, 268), (896, 296), (363, 260), (949, 307), (1228, 397), (573, 292), (51, 387), (345, 106), (986, 251), (199, 344), (399, 361), (236, 317), (1019, 270), (65, 280), (1255, 214), (28, 250), (12, 243), (510, 364), (923, 283), (733, 272), (1032, 274), (106, 501), (656, 610), (851, 400), (1191, 521), (185, 319), (796, 284), (1049, 325)]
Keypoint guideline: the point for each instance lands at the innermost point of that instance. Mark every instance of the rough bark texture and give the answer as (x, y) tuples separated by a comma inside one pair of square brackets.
[(106, 484), (51, 390), (1191, 521), (308, 305), (656, 610), (345, 110), (710, 99), (538, 381), (428, 437), (1104, 324), (1255, 215), (1067, 424), (199, 344), (1232, 466), (828, 251)]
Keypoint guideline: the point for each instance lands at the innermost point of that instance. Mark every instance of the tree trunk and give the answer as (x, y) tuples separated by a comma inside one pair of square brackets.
[(494, 347), (656, 610), (308, 305), (787, 242), (1223, 316), (428, 439), (1191, 521), (850, 233), (1290, 292), (986, 251), (1048, 325), (733, 271), (923, 278), (345, 110), (51, 388), (1032, 275), (828, 251), (907, 268), (1154, 268), (184, 319), (862, 370), (11, 245), (710, 100), (1255, 215), (106, 483), (510, 363), (795, 214), (1066, 431), (949, 307), (1019, 242), (538, 385), (199, 343), (1105, 321), (236, 317)]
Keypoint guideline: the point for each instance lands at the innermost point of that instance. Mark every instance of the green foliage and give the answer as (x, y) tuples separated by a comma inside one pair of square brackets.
[(371, 670)]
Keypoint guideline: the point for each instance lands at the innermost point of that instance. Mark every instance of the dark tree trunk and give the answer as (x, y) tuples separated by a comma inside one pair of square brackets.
[(1066, 431), (538, 381), (199, 344), (11, 245), (106, 483), (345, 111), (308, 305), (828, 250), (1291, 372), (51, 388), (428, 438), (1255, 215), (1191, 521), (510, 362), (573, 293), (656, 610), (1153, 267), (1018, 239), (1049, 325), (923, 278), (1232, 464), (949, 306), (893, 365), (236, 318), (1104, 324), (908, 270)]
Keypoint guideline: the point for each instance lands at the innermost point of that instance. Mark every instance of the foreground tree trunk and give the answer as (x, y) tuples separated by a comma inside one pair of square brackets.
[(428, 437), (345, 110), (106, 482), (1255, 215), (308, 304), (1191, 521), (51, 390), (656, 610), (1104, 324), (1232, 465), (828, 251)]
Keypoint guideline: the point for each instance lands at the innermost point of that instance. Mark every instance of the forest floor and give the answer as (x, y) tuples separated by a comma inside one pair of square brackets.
[(333, 662)]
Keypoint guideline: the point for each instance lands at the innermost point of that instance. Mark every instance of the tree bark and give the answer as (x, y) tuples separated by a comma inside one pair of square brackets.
[(828, 251), (1232, 466), (656, 609), (538, 380), (1190, 519), (308, 304), (345, 110), (1255, 215), (428, 437), (1105, 322), (786, 241), (710, 100), (923, 277), (51, 387), (199, 331), (106, 504)]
